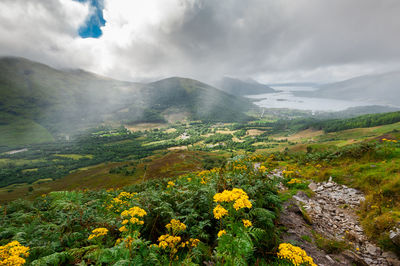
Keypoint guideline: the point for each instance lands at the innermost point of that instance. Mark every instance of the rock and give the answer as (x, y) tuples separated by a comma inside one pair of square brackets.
[(299, 199), (395, 236), (293, 207), (389, 254), (371, 249), (302, 194), (330, 259), (329, 185), (313, 186), (368, 260), (357, 260), (393, 262)]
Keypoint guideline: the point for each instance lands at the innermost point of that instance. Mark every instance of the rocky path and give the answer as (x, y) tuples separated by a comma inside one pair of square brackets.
[(332, 212)]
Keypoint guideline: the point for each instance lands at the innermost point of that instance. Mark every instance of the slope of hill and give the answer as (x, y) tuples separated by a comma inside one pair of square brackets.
[(240, 87), (377, 89), (364, 121), (201, 101), (62, 102)]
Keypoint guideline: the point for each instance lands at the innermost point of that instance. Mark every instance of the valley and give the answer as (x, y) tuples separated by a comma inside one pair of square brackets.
[(250, 185), (106, 160)]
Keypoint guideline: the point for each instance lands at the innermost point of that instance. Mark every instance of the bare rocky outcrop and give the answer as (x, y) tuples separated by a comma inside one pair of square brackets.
[(332, 212)]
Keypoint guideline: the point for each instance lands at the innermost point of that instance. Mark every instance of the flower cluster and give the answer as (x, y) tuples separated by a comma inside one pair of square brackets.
[(132, 216), (170, 184), (389, 140), (219, 212), (294, 181), (206, 173), (236, 195), (172, 242), (262, 169), (294, 254), (287, 173), (176, 226), (98, 232), (12, 253), (121, 201)]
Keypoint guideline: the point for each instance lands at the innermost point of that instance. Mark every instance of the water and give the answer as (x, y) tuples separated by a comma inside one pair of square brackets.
[(286, 99)]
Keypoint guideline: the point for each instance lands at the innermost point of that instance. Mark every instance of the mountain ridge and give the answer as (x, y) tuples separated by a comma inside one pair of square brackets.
[(376, 88)]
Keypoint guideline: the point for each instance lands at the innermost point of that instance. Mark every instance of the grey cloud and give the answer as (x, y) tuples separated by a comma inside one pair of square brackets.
[(248, 38)]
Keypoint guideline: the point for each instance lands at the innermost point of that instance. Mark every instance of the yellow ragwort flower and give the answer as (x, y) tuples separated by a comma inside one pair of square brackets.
[(98, 232), (247, 223), (221, 233), (12, 253), (295, 255), (176, 226), (219, 212)]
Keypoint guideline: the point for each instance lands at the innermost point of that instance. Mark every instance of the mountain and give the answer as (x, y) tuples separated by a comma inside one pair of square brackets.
[(241, 87), (201, 101), (38, 100), (58, 100), (383, 89)]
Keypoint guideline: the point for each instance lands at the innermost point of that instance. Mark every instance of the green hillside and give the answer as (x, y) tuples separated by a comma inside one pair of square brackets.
[(202, 101)]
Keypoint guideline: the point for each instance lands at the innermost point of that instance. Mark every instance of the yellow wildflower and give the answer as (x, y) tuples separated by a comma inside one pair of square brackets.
[(294, 254), (194, 242), (262, 169), (170, 184), (176, 226), (134, 211), (294, 181), (123, 229), (221, 232), (247, 223), (98, 232), (242, 203), (12, 253), (219, 212)]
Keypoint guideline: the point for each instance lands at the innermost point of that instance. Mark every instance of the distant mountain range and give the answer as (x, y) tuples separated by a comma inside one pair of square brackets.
[(241, 87), (64, 101), (382, 89)]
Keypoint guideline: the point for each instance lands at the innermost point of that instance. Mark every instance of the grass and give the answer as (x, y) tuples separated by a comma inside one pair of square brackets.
[(23, 131), (162, 165), (18, 162), (331, 246), (75, 156)]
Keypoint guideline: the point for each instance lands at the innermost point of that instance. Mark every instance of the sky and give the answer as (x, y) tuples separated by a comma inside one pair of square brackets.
[(267, 40)]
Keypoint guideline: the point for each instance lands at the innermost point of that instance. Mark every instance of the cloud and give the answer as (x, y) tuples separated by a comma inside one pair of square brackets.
[(206, 39)]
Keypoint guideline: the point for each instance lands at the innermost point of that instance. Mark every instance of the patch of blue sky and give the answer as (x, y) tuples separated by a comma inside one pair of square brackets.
[(91, 28)]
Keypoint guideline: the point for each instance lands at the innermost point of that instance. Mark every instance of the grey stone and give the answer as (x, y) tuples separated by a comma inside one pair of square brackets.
[(356, 259), (393, 262), (395, 236), (328, 185), (313, 186), (389, 254), (371, 249)]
